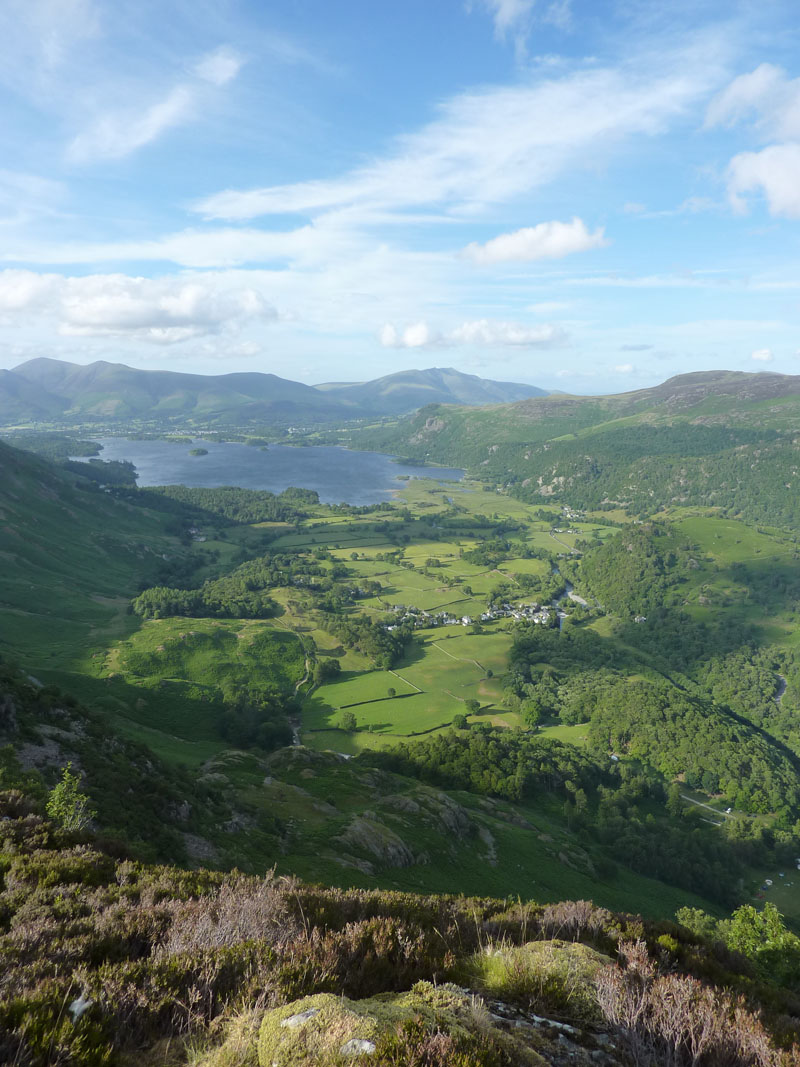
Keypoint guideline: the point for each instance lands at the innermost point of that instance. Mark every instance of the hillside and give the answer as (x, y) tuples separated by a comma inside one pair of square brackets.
[(111, 392), (696, 439), (51, 391), (155, 965), (406, 391)]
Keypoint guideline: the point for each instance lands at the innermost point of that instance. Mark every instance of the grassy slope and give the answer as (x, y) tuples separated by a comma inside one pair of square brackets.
[(72, 557)]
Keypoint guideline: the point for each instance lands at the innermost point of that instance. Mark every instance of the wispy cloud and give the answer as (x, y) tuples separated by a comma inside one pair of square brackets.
[(116, 134), (24, 196), (491, 145), (766, 97), (515, 19), (220, 66), (762, 355)]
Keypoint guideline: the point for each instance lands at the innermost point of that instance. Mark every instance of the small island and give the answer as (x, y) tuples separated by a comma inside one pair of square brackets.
[(198, 451)]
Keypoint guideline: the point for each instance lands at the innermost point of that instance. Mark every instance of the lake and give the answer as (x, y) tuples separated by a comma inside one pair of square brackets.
[(337, 474)]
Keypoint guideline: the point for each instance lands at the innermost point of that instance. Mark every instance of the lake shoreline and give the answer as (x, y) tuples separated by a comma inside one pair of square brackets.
[(338, 473)]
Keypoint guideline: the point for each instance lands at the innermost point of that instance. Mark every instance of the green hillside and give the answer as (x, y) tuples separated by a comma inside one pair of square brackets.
[(49, 391), (714, 438), (73, 556)]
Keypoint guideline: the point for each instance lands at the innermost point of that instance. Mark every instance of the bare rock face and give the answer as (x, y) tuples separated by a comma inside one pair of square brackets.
[(366, 834)]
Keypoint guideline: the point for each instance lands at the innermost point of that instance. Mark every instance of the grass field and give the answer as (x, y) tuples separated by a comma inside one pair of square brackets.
[(432, 683), (170, 677)]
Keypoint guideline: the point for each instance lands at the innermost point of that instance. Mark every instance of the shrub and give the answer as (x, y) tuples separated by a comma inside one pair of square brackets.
[(673, 1020), (243, 909), (67, 806)]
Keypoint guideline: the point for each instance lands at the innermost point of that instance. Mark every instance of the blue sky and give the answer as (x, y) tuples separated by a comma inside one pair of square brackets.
[(588, 195)]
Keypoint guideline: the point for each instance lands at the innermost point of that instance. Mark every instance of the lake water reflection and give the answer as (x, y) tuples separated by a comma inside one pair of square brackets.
[(337, 474)]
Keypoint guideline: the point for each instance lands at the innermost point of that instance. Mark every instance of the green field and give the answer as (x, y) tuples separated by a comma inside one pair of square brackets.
[(432, 684)]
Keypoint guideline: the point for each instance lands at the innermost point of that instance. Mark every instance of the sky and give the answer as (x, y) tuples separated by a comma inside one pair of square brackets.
[(585, 195)]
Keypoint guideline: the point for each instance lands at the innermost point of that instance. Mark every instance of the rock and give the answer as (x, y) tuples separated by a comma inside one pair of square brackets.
[(333, 1027), (302, 1017), (357, 1046), (365, 833)]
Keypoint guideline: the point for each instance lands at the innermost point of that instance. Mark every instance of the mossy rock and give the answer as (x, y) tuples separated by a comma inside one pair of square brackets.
[(327, 1031)]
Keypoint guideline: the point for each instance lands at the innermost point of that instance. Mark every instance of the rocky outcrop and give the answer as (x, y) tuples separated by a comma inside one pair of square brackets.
[(326, 1030)]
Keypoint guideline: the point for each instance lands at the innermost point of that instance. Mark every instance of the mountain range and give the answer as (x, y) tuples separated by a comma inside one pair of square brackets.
[(49, 390)]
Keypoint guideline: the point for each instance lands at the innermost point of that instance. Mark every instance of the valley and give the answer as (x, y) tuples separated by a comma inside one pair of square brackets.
[(358, 629), (460, 687)]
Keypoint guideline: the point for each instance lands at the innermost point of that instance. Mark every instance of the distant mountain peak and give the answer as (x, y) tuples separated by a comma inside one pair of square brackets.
[(42, 388)]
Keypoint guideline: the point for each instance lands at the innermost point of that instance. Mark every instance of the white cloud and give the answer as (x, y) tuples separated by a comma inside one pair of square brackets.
[(483, 332), (547, 240), (388, 336), (774, 172), (159, 311), (766, 96), (220, 66), (770, 100), (21, 290), (491, 145), (624, 368), (762, 355), (417, 335)]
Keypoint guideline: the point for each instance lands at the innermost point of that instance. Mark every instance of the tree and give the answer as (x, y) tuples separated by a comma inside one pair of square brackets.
[(472, 706), (348, 721), (460, 722), (67, 805), (392, 692), (674, 800), (325, 670)]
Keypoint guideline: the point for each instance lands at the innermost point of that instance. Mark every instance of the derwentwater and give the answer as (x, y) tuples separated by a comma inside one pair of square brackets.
[(338, 474)]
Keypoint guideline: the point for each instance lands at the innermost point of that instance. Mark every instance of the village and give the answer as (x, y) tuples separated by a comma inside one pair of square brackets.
[(424, 620)]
